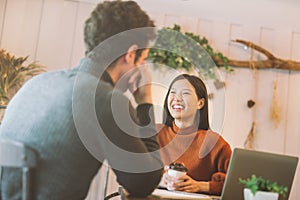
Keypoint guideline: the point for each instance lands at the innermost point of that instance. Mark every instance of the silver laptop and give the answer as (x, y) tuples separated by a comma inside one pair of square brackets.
[(244, 163)]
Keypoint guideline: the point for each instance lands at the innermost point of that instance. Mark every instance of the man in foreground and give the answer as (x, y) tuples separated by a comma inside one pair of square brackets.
[(77, 118)]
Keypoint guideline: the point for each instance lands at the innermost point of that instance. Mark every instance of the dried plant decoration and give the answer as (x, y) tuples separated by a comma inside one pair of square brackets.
[(13, 73), (249, 142), (250, 103), (219, 84), (272, 62), (211, 95), (275, 110)]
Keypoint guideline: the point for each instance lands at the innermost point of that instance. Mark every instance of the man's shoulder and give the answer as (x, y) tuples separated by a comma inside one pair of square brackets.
[(53, 76)]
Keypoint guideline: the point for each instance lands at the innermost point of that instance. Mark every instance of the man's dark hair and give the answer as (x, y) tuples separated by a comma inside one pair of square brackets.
[(201, 92), (112, 17)]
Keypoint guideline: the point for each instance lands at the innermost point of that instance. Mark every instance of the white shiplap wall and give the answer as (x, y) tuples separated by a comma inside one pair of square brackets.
[(51, 32)]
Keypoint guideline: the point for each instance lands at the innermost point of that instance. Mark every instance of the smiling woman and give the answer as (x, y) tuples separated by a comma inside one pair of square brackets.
[(183, 103), (193, 95), (187, 138)]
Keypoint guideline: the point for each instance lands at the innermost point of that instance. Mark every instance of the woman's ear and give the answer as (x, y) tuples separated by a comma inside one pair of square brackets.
[(130, 54), (201, 103)]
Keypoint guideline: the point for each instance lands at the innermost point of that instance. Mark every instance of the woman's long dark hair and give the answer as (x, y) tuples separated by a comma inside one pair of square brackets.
[(201, 92)]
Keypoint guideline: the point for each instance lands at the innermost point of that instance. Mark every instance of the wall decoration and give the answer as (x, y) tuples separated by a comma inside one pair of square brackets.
[(249, 142), (271, 62), (250, 103), (177, 62), (275, 110), (189, 57)]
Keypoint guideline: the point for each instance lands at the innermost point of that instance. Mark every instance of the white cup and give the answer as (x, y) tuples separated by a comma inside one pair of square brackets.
[(176, 174)]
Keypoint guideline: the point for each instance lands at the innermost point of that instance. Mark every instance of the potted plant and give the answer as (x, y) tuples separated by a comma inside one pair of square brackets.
[(13, 73), (258, 188)]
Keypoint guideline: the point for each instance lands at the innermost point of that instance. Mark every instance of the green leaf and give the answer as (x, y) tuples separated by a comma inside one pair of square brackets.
[(260, 184), (185, 53)]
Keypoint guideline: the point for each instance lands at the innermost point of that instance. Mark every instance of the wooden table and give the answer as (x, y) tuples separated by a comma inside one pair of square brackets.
[(139, 198), (127, 197)]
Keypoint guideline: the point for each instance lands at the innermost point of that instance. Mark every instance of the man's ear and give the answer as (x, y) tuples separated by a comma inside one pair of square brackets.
[(130, 54), (201, 103)]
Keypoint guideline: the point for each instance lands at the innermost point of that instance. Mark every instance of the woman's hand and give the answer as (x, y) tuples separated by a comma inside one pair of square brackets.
[(187, 184)]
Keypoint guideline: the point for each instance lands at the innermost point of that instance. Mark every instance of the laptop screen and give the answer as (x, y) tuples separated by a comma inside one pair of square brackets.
[(274, 167)]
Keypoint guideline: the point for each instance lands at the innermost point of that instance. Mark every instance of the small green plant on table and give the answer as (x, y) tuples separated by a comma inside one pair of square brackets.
[(260, 184)]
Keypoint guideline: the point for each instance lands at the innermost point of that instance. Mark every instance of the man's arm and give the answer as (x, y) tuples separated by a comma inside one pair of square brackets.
[(132, 150)]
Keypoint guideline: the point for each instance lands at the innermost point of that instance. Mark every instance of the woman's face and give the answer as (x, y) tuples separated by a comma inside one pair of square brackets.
[(183, 102)]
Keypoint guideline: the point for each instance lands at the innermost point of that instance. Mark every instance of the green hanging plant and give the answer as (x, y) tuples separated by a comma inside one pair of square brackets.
[(183, 52), (13, 73)]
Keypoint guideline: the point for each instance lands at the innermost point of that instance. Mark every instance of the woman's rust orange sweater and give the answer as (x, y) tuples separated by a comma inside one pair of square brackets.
[(205, 153)]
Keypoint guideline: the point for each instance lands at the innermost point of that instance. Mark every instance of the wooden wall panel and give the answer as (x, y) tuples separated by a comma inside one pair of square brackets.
[(240, 87), (170, 20), (161, 84), (256, 12), (78, 48), (272, 97), (236, 50), (3, 4), (188, 24), (238, 91), (158, 19), (282, 47), (204, 28), (21, 27), (57, 33), (295, 49), (217, 105), (264, 80), (220, 37)]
